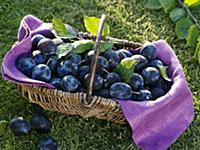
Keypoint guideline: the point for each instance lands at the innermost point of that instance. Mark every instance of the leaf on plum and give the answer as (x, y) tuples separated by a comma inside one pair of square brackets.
[(163, 72), (126, 68), (82, 46), (64, 49)]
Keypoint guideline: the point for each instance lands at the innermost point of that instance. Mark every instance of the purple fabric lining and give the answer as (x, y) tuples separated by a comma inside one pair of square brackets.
[(155, 124)]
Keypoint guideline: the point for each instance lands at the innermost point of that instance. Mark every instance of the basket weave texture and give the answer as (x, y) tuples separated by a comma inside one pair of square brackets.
[(72, 103)]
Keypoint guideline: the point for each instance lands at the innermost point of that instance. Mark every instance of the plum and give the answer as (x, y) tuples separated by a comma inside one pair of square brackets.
[(126, 52), (53, 63), (26, 65), (112, 57), (103, 93), (83, 70), (142, 95), (75, 58), (47, 144), (67, 67), (121, 55), (148, 50), (136, 82), (120, 90), (157, 92), (150, 75), (47, 46), (111, 78), (40, 123), (155, 63), (19, 126), (142, 62), (56, 82), (35, 40), (41, 72), (38, 57), (70, 83), (98, 81)]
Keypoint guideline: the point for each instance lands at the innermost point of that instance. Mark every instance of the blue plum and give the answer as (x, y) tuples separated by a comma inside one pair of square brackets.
[(142, 62), (70, 83), (121, 55), (142, 95), (102, 62), (83, 70), (38, 57), (148, 50), (56, 82), (103, 93), (112, 57), (75, 58), (35, 40), (157, 92), (19, 126), (53, 63), (162, 84), (136, 82), (26, 65), (126, 52), (67, 67), (155, 63), (111, 78), (47, 46), (41, 72), (47, 144), (98, 81), (89, 55), (40, 123), (150, 75), (120, 90)]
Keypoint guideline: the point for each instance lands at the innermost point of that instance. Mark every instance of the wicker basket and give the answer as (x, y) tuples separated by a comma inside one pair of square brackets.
[(76, 103)]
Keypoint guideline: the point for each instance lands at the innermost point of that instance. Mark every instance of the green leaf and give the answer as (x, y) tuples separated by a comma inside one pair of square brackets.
[(105, 45), (64, 49), (82, 46), (126, 68), (153, 4), (92, 25), (59, 27), (176, 14), (197, 51), (191, 3), (182, 27), (163, 72), (193, 34), (168, 5)]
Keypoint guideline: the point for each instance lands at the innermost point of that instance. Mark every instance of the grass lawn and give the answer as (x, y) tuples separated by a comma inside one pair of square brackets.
[(128, 20)]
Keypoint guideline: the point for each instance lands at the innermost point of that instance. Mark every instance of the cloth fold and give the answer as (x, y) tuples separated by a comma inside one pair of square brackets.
[(155, 124)]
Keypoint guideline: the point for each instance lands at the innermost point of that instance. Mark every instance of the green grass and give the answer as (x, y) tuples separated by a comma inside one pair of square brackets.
[(128, 20)]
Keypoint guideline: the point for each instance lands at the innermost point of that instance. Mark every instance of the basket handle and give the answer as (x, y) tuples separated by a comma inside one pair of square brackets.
[(88, 99)]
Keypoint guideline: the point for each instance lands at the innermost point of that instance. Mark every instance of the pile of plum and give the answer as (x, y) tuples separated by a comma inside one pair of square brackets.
[(71, 73), (40, 123)]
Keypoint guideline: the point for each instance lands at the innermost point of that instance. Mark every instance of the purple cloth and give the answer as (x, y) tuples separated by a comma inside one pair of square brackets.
[(155, 124)]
